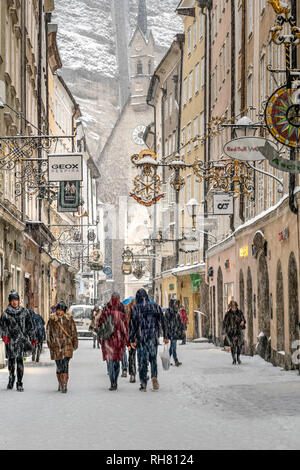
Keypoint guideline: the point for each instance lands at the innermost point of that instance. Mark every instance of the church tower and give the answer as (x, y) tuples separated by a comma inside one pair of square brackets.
[(141, 49), (120, 17)]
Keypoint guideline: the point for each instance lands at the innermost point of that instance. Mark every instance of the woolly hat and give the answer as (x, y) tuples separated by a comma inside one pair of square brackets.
[(13, 296), (61, 306)]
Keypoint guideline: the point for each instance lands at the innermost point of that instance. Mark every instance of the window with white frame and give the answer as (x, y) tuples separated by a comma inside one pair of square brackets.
[(202, 124), (201, 25), (189, 136), (190, 85), (195, 33), (182, 152), (197, 78), (196, 130), (250, 16), (202, 71), (250, 90), (184, 92), (189, 40)]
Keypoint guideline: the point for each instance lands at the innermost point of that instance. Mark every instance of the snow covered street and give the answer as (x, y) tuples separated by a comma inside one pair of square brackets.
[(207, 403)]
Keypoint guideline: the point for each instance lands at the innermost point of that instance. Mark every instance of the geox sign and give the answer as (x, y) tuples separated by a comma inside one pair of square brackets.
[(65, 167)]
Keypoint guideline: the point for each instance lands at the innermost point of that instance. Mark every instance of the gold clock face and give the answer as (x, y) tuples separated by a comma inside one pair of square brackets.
[(137, 135)]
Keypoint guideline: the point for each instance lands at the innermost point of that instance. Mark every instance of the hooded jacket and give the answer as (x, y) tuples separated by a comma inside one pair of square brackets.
[(113, 347), (146, 319), (16, 324), (174, 325)]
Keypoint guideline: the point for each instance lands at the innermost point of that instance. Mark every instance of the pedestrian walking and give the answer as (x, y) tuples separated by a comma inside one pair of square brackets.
[(39, 326), (18, 334), (233, 325), (174, 328), (62, 341), (114, 346), (145, 321), (184, 320), (96, 314), (124, 363), (131, 351)]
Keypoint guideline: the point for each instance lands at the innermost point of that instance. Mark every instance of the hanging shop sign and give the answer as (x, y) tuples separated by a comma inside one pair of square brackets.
[(127, 256), (284, 234), (65, 167), (126, 268), (251, 149), (91, 236), (96, 260), (244, 252), (283, 164), (68, 196), (223, 204), (189, 245), (282, 116), (196, 282)]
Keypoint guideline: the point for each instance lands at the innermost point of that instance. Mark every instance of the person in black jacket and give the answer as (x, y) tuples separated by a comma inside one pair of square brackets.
[(174, 328), (17, 332), (144, 327), (39, 326), (233, 324)]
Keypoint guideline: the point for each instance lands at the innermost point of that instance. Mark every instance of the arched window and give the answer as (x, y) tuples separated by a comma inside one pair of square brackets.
[(139, 68)]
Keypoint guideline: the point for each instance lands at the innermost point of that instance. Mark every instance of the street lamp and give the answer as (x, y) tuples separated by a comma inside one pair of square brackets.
[(245, 127), (193, 210)]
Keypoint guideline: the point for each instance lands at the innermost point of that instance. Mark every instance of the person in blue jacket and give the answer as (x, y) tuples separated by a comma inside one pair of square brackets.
[(144, 328)]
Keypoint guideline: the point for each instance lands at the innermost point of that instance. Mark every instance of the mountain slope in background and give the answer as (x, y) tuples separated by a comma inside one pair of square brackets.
[(87, 47)]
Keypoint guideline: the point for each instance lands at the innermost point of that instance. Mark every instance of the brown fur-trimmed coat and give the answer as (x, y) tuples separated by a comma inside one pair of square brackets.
[(59, 343)]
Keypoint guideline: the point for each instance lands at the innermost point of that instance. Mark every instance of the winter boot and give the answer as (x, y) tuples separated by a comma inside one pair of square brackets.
[(11, 382), (64, 382), (132, 379), (143, 388), (59, 382), (177, 363), (124, 373), (20, 387), (239, 360), (155, 383)]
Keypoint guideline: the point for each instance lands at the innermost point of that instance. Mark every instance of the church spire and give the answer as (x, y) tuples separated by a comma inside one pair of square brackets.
[(142, 16)]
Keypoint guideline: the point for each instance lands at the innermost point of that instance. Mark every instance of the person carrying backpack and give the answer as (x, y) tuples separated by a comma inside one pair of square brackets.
[(39, 326), (113, 345)]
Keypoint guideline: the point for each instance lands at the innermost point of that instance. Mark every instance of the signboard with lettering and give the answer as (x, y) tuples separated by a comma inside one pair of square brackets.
[(68, 196), (65, 167), (251, 149), (207, 224), (223, 204), (244, 252)]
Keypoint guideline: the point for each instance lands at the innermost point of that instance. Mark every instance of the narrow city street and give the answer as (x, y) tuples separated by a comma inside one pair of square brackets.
[(206, 404)]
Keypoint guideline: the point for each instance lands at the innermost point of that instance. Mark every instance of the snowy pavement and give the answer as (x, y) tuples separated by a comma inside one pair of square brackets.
[(207, 403)]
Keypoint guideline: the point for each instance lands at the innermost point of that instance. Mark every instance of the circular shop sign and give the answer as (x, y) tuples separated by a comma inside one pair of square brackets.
[(282, 116), (251, 149)]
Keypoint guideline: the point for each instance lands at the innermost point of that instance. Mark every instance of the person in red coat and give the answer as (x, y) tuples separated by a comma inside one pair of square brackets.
[(113, 347), (184, 319)]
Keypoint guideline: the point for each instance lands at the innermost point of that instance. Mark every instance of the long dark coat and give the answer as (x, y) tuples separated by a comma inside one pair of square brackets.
[(146, 320), (16, 324), (232, 327), (59, 343), (174, 325), (113, 347)]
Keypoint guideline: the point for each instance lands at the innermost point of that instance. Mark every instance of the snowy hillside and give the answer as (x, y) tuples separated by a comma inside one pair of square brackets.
[(87, 48)]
